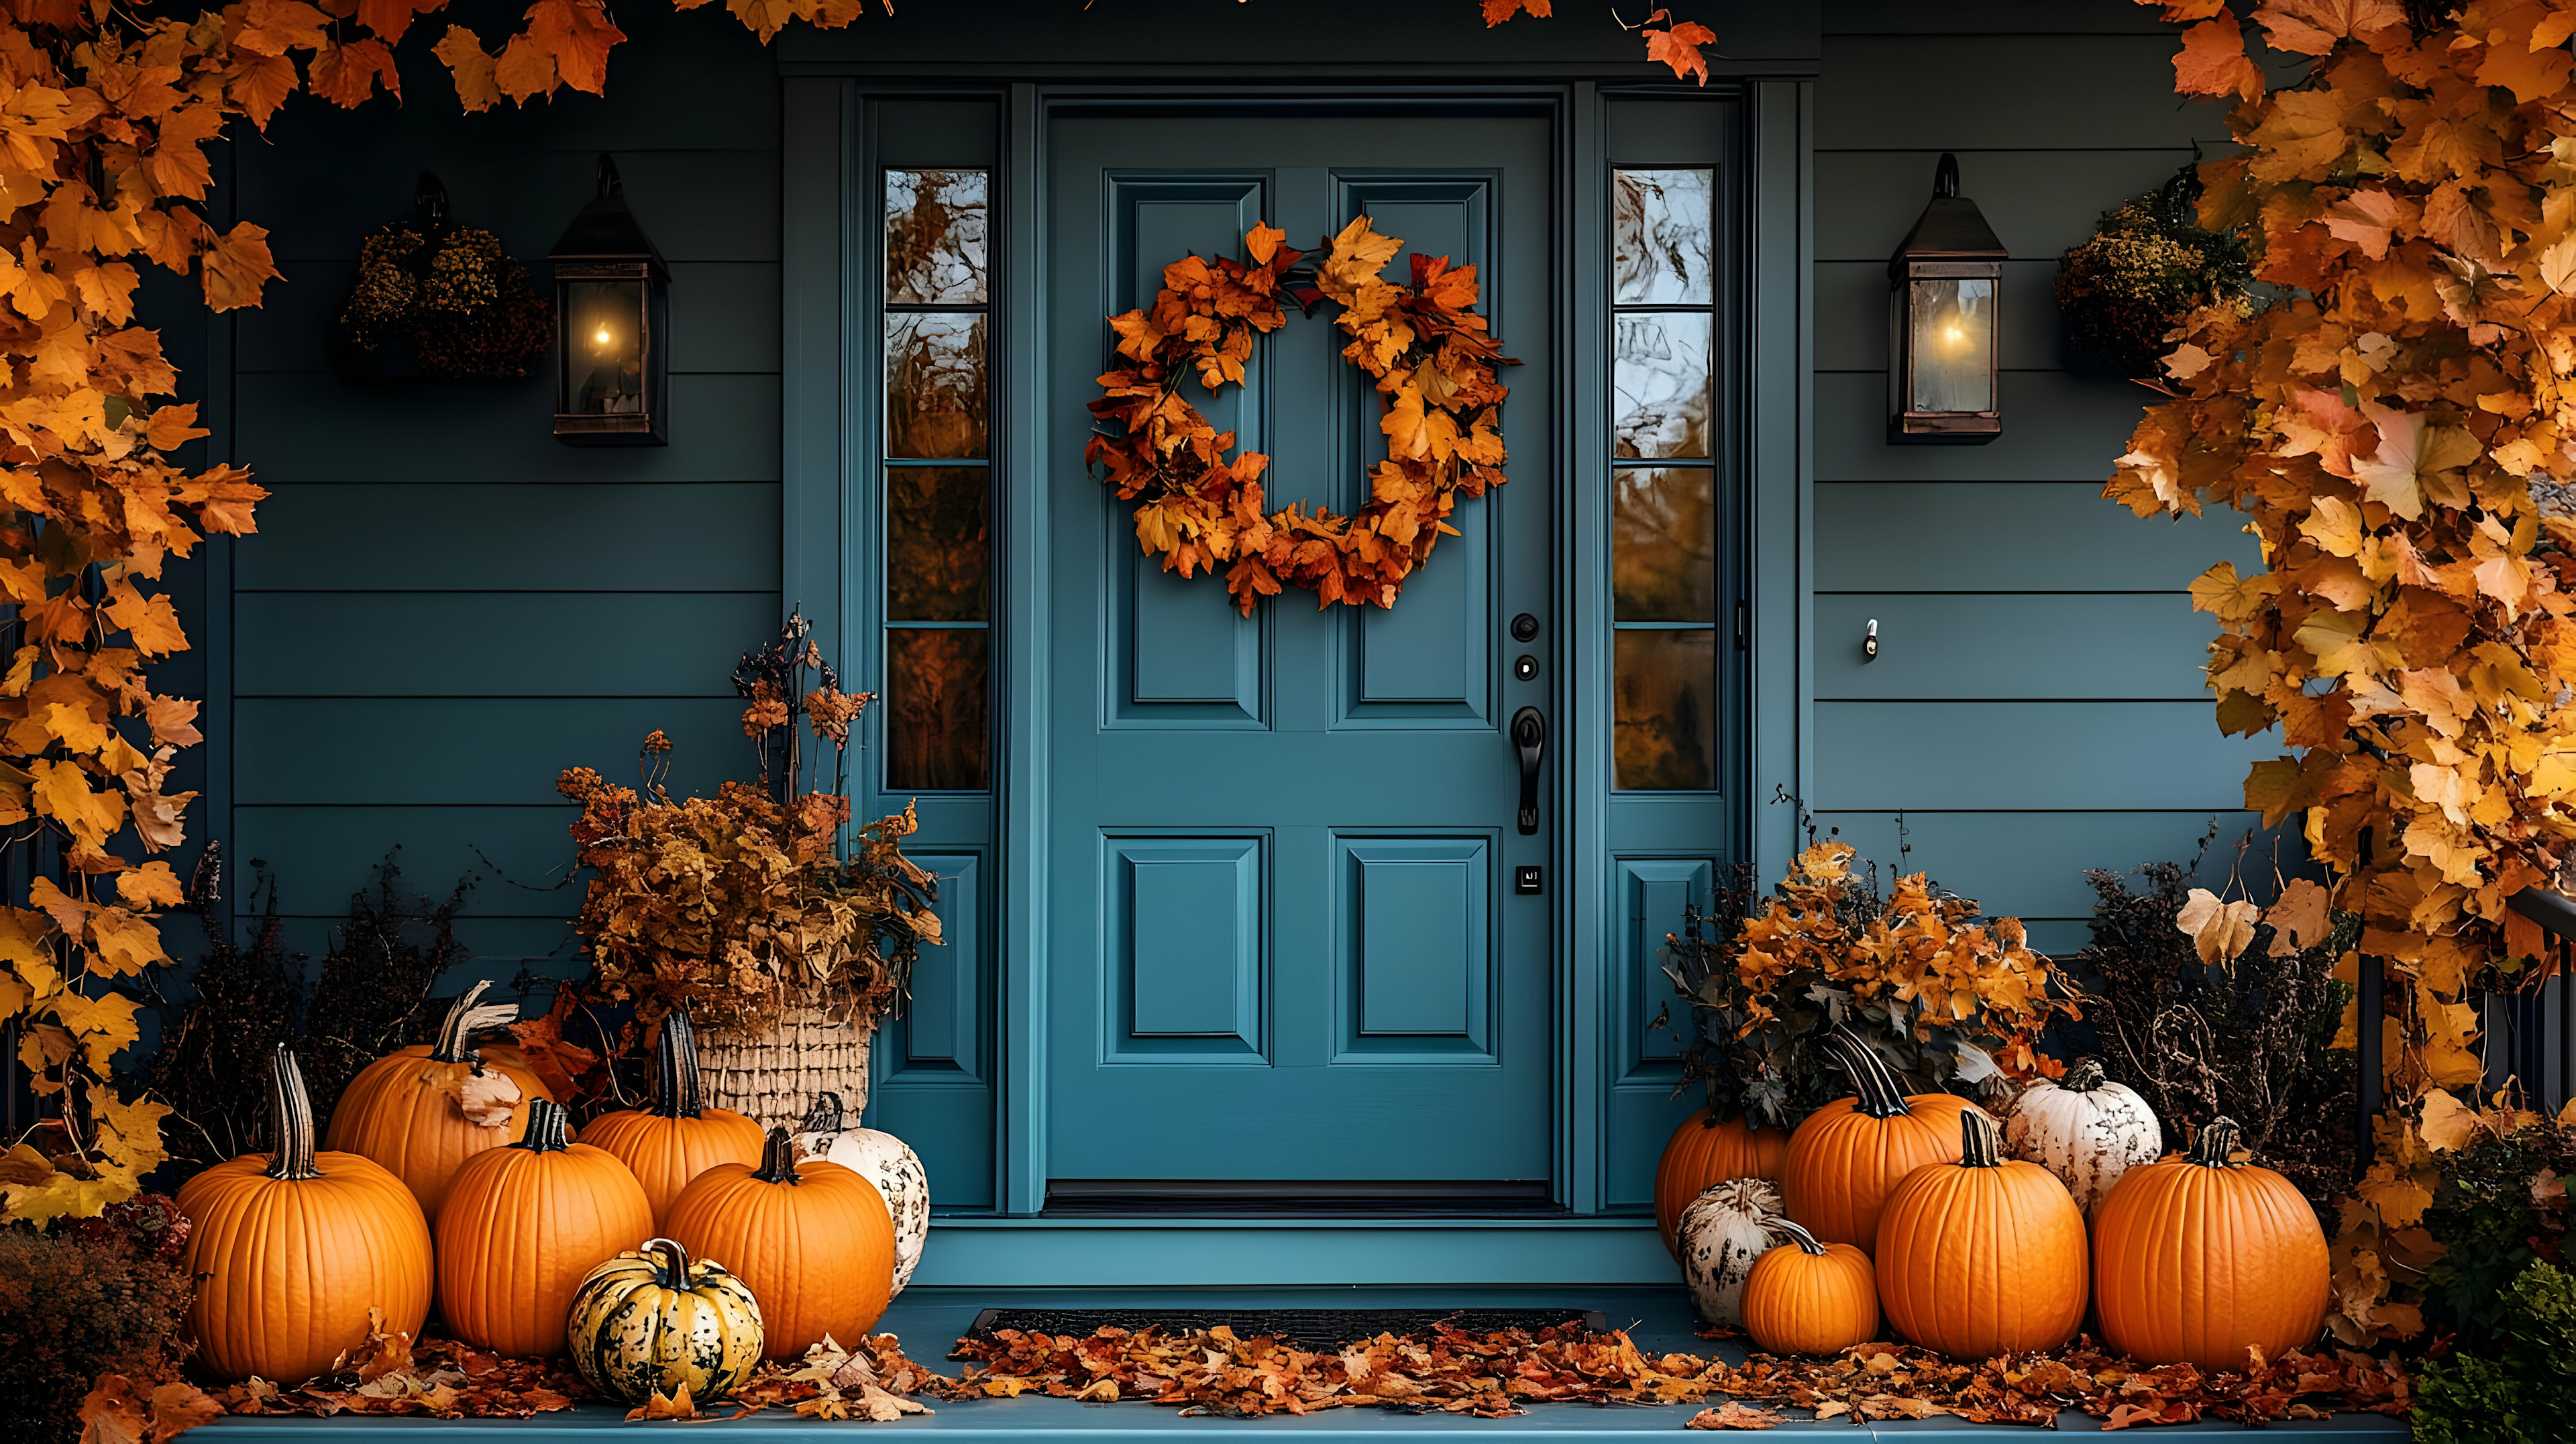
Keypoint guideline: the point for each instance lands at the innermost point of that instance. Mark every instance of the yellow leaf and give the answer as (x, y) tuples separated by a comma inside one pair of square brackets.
[(2448, 1124), (63, 793)]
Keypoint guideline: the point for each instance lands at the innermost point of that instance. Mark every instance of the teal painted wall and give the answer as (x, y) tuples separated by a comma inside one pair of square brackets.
[(2036, 706)]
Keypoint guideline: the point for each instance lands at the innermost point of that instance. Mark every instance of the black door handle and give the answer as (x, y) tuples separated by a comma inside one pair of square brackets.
[(1529, 738)]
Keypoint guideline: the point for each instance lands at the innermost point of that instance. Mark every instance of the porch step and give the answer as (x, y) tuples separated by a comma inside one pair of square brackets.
[(929, 1320)]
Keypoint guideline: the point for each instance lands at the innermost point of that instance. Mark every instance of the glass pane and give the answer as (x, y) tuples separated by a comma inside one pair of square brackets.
[(1666, 717), (1662, 383), (1661, 231), (1954, 346), (1663, 544), (936, 737), (935, 236), (604, 340), (934, 385), (938, 544)]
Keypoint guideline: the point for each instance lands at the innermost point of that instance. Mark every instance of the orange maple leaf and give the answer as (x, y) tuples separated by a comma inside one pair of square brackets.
[(1678, 46), (2212, 61), (237, 265), (477, 88), (1498, 11)]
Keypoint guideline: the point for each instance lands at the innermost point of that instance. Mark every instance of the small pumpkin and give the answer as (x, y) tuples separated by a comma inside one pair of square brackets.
[(2200, 1257), (1984, 1256), (653, 1320), (679, 1137), (812, 1239), (2084, 1128), (1703, 1151), (290, 1251), (406, 1110), (523, 1226), (881, 1159), (1849, 1155), (1723, 1231), (1813, 1298)]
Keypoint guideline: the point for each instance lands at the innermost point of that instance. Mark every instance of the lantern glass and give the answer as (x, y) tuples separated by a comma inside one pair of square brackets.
[(1953, 344), (604, 343)]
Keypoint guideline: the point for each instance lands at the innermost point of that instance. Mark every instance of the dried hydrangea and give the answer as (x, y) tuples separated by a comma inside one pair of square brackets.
[(2147, 265)]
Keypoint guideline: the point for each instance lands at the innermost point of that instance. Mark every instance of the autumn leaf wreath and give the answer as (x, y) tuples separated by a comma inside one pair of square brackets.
[(1438, 402)]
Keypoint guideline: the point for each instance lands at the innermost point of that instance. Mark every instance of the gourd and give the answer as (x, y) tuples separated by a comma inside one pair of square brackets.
[(1704, 1151), (1723, 1231), (813, 1240), (523, 1226), (2199, 1257), (1984, 1256), (402, 1110), (1813, 1298), (655, 1321), (290, 1251), (881, 1159), (2085, 1129), (679, 1137), (1848, 1155)]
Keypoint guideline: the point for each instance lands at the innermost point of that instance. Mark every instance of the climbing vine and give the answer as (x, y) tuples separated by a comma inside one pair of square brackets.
[(2399, 428)]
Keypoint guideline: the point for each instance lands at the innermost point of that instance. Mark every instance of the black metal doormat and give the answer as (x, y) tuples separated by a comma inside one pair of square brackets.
[(1305, 1328)]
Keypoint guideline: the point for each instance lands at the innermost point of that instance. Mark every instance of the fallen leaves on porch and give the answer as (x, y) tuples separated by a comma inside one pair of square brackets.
[(1731, 1415), (441, 1378)]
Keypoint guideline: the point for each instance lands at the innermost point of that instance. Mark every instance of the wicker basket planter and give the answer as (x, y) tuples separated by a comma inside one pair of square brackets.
[(773, 1076)]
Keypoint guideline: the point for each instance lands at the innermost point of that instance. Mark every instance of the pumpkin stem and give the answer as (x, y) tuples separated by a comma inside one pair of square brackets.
[(547, 1131), (294, 1156), (2084, 1077), (825, 1116), (465, 1019), (678, 1095), (1981, 1143), (674, 1261), (1805, 1241), (2216, 1145), (1881, 1096), (778, 1159)]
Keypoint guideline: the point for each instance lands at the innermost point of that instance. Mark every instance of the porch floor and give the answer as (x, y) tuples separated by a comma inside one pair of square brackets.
[(928, 1319)]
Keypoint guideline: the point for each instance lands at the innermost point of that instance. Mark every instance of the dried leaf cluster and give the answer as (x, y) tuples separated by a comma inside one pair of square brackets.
[(102, 1295), (1438, 405), (2398, 432), (874, 1382), (433, 1378), (1939, 991)]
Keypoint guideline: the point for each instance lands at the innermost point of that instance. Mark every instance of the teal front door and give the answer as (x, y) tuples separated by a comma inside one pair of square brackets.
[(1293, 961)]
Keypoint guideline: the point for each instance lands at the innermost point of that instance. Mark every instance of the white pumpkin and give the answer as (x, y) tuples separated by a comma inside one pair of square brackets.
[(881, 1159), (1720, 1234), (2085, 1129)]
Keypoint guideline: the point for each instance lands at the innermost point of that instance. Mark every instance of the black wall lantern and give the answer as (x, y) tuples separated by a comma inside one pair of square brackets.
[(1941, 368), (612, 336)]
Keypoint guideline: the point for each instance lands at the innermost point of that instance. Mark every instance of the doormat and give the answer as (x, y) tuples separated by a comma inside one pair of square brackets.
[(1310, 1329)]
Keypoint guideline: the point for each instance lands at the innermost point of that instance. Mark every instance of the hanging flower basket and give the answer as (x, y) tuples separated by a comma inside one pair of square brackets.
[(2148, 265), (435, 299)]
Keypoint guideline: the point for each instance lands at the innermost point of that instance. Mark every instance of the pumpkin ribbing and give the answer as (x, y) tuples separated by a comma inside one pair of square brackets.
[(884, 1160), (814, 1241), (1813, 1298), (2084, 1128), (1705, 1150), (1983, 1256), (524, 1226), (1846, 1157), (402, 1109), (655, 1321), (679, 1137)]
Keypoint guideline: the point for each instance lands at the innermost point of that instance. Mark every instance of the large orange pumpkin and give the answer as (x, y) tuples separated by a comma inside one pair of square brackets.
[(2198, 1257), (1984, 1256), (813, 1240), (1850, 1154), (679, 1137), (402, 1110), (1814, 1298), (523, 1226), (291, 1251), (1704, 1151)]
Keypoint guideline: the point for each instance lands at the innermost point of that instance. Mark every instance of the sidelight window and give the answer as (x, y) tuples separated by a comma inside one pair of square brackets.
[(1663, 483), (937, 460)]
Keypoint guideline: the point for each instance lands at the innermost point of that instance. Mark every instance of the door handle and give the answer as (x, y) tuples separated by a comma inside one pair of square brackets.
[(1529, 738)]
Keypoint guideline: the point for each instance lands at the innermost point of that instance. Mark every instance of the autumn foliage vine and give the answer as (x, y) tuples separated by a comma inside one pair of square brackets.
[(2400, 428)]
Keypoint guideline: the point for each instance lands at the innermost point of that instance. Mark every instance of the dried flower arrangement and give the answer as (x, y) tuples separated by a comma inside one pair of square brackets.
[(1942, 994), (2147, 265), (733, 907), (461, 302)]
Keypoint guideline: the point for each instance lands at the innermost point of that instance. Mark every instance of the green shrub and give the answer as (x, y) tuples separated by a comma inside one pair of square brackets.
[(2517, 1390)]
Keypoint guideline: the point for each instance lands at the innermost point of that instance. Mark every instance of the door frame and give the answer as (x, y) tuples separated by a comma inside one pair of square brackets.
[(827, 356)]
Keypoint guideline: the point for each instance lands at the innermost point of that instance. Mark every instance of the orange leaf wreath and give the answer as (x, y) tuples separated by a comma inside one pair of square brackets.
[(1438, 406)]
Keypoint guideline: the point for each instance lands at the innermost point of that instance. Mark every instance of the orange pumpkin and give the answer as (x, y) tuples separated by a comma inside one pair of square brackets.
[(403, 1110), (813, 1240), (679, 1137), (2199, 1257), (1984, 1256), (523, 1226), (291, 1251), (1814, 1298), (1849, 1155), (1704, 1151)]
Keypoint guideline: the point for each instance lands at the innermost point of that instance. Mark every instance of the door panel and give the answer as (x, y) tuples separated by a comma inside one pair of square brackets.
[(1284, 943)]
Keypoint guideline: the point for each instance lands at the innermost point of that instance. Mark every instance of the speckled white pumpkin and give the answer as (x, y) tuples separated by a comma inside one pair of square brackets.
[(1720, 1235), (881, 1159), (2085, 1129)]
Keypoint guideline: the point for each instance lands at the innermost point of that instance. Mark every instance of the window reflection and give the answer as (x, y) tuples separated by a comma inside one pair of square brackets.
[(1663, 533), (1661, 378), (934, 236), (938, 544), (936, 732), (1664, 731), (1661, 236), (934, 385)]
